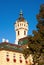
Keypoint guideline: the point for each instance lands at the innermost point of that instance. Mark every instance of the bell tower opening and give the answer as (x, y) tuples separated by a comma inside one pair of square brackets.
[(24, 32), (18, 33)]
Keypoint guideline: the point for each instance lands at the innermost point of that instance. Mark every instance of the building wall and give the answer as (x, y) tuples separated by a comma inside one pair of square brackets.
[(3, 58), (30, 59)]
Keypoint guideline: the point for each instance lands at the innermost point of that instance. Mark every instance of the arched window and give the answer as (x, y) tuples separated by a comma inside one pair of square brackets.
[(13, 55), (26, 61), (20, 59), (14, 58), (18, 32), (7, 57), (24, 32), (18, 24), (24, 24)]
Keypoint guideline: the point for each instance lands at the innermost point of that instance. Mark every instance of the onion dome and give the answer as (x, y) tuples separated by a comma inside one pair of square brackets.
[(21, 18)]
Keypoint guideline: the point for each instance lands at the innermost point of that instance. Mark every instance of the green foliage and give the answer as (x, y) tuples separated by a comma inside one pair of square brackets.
[(23, 42), (36, 42)]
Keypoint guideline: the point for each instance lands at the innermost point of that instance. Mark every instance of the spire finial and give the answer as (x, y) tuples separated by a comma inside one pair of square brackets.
[(21, 14)]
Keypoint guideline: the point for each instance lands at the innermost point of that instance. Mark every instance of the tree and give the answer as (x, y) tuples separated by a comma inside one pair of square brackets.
[(36, 42)]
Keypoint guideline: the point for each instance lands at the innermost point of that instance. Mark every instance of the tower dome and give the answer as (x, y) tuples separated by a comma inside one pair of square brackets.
[(21, 27), (21, 18)]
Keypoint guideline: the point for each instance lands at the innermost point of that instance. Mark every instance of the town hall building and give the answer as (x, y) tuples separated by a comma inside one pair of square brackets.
[(12, 54)]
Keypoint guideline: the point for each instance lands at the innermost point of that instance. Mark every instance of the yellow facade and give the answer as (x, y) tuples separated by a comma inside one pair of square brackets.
[(3, 57)]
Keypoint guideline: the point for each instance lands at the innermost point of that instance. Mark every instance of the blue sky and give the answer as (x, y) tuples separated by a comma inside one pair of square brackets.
[(9, 12)]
